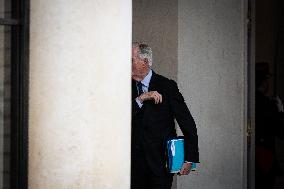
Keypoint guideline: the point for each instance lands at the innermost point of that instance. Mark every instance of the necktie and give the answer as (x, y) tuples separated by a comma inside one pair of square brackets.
[(140, 91)]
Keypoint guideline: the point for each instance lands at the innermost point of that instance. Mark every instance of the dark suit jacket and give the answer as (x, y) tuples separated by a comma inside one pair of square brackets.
[(153, 124)]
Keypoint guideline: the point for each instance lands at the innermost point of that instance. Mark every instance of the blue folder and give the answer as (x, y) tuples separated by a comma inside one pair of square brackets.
[(175, 152)]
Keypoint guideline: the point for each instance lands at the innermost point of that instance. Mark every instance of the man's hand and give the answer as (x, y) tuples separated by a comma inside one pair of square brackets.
[(185, 170), (152, 95)]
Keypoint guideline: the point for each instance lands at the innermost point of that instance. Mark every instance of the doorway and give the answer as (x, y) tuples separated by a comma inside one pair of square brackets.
[(201, 45), (13, 93)]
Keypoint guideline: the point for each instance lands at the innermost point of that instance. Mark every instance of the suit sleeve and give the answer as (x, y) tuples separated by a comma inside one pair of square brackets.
[(185, 122), (135, 107)]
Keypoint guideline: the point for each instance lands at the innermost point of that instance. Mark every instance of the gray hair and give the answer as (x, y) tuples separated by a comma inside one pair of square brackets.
[(145, 51)]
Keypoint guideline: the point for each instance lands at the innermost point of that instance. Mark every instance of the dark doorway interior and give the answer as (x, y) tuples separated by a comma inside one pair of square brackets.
[(13, 93), (269, 48)]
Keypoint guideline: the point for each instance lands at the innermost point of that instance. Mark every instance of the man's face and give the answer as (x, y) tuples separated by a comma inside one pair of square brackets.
[(139, 66)]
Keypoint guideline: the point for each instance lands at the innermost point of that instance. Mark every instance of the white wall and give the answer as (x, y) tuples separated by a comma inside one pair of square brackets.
[(79, 105), (211, 74)]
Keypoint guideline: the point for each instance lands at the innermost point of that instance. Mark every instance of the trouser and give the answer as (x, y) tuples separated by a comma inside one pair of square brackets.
[(143, 178)]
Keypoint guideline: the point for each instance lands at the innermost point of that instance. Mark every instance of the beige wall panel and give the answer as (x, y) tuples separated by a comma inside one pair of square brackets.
[(212, 75), (155, 22)]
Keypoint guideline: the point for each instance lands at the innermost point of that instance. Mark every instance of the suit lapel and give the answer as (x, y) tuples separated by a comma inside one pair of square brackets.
[(153, 82), (134, 90), (152, 85)]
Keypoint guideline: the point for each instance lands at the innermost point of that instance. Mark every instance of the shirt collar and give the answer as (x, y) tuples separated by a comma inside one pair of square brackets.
[(147, 79)]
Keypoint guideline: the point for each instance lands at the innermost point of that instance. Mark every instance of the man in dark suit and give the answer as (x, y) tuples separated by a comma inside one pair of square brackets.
[(156, 102)]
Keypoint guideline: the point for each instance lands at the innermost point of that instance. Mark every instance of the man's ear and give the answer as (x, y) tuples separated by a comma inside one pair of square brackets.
[(146, 62)]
